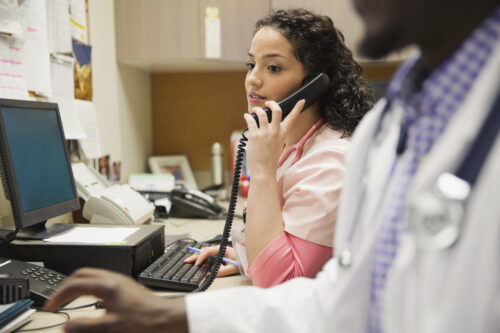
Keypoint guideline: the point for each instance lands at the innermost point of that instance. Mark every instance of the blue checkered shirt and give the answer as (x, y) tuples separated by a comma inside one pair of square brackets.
[(429, 100)]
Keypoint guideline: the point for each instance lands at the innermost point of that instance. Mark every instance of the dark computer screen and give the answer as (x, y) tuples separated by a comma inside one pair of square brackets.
[(39, 157), (35, 161)]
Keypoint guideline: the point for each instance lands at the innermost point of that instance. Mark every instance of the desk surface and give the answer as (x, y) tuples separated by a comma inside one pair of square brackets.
[(174, 229)]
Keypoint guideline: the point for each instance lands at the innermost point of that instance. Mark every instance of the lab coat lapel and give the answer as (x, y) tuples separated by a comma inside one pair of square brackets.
[(356, 160), (374, 158)]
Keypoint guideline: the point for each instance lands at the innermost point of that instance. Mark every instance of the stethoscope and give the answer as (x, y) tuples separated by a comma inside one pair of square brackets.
[(436, 214)]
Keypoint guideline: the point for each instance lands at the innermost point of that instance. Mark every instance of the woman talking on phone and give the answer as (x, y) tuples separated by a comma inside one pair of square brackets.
[(297, 165)]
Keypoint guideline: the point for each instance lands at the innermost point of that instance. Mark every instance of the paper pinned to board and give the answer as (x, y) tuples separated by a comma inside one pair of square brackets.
[(36, 57), (9, 23), (94, 235), (78, 20), (61, 68), (212, 33), (83, 70), (91, 146), (59, 28), (12, 83)]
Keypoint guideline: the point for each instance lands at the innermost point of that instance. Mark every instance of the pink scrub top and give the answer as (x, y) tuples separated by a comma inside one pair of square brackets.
[(310, 177)]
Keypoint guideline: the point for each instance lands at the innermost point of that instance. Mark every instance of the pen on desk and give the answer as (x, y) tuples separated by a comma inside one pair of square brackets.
[(226, 260)]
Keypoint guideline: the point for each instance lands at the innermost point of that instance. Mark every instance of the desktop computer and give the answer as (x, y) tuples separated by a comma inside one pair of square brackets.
[(38, 181), (35, 168)]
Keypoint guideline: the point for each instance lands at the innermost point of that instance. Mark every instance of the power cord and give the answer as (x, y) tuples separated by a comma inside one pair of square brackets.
[(97, 305), (59, 311)]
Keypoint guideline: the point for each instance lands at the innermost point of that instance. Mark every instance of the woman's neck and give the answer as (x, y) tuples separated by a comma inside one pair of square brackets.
[(306, 120)]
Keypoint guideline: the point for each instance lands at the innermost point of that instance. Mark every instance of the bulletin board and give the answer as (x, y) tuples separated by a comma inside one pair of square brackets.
[(45, 54)]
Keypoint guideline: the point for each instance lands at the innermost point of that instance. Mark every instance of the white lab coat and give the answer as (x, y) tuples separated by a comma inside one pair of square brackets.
[(453, 290)]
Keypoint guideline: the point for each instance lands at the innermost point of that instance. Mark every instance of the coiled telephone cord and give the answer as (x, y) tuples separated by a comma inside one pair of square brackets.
[(240, 153)]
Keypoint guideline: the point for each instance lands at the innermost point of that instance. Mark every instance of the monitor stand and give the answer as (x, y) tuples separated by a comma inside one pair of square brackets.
[(40, 231)]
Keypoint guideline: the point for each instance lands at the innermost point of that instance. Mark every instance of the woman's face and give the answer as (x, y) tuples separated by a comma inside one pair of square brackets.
[(273, 71)]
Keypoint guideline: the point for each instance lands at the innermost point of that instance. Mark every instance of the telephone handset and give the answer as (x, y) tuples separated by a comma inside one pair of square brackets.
[(311, 91)]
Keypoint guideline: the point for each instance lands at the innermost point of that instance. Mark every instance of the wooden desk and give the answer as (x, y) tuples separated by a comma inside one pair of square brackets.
[(174, 229)]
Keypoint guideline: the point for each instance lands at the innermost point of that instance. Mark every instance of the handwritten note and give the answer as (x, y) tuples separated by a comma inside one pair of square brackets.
[(12, 83)]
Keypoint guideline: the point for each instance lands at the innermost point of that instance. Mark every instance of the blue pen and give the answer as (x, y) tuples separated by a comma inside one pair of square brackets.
[(227, 261)]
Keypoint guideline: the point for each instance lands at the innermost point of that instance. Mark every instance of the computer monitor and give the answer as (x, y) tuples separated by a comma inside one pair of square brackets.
[(36, 171)]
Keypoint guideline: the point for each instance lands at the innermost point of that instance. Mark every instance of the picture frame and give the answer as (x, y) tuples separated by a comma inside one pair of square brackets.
[(178, 166)]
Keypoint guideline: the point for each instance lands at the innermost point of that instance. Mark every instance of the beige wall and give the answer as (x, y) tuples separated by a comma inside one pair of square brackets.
[(122, 96)]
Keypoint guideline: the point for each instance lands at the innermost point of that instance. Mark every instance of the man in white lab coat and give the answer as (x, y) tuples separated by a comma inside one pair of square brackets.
[(394, 270)]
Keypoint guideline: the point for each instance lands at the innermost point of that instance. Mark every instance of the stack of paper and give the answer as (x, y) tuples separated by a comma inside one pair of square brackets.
[(14, 315), (152, 182)]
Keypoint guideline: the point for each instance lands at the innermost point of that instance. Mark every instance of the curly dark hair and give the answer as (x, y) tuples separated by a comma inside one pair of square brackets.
[(320, 47)]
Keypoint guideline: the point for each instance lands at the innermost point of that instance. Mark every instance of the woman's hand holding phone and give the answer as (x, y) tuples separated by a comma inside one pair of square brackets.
[(266, 143)]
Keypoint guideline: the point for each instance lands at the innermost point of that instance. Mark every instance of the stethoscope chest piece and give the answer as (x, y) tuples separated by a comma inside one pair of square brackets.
[(436, 214)]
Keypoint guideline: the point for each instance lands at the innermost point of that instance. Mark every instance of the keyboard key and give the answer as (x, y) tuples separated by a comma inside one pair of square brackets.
[(189, 274), (202, 272), (181, 272)]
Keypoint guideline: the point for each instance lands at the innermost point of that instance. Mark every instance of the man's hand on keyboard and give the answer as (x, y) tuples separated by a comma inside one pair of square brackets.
[(206, 252), (129, 306)]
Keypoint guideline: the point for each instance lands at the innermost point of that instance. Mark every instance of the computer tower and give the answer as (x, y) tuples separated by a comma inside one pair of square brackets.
[(129, 257)]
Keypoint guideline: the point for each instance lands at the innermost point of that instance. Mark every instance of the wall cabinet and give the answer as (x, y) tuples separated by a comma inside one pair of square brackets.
[(169, 35)]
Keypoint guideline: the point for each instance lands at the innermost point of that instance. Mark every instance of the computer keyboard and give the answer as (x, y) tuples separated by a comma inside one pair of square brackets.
[(170, 272)]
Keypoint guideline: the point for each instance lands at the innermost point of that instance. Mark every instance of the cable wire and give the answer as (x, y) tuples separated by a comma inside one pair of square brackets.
[(61, 313)]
